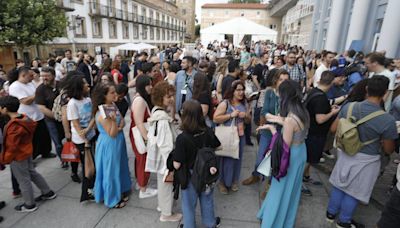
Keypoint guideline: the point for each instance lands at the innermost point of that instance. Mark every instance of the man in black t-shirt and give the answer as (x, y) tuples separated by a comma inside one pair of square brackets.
[(46, 93), (261, 72), (234, 71), (322, 115)]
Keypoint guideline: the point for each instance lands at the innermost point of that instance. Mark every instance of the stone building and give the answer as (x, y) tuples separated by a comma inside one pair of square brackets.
[(212, 14), (97, 25)]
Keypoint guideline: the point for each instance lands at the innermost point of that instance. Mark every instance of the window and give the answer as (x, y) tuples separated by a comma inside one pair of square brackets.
[(97, 28), (242, 14), (329, 8), (323, 38), (144, 32), (135, 32), (135, 9), (113, 29), (151, 33), (163, 34), (80, 28), (258, 13), (212, 23), (144, 12), (125, 27), (158, 34), (183, 11)]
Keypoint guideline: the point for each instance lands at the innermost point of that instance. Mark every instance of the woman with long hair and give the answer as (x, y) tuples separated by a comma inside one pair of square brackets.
[(233, 108), (113, 180), (106, 68), (219, 76), (116, 73), (79, 113), (104, 78), (161, 143), (202, 93), (140, 112), (270, 105), (195, 134), (279, 208)]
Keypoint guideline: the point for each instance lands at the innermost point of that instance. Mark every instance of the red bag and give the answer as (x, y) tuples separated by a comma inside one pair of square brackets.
[(70, 153)]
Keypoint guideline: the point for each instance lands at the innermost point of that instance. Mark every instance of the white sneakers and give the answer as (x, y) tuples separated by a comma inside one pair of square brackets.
[(150, 192), (172, 218)]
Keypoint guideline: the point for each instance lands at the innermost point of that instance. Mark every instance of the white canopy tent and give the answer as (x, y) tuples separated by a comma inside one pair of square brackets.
[(131, 47), (238, 27)]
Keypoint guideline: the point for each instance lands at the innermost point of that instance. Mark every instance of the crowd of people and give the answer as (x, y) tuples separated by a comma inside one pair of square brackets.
[(297, 100)]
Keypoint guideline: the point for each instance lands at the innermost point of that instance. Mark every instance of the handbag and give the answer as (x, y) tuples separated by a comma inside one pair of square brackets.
[(265, 166), (70, 153), (89, 163), (139, 142), (229, 138)]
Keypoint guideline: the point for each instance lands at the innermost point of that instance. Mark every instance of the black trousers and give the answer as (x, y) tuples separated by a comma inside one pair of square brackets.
[(86, 182), (41, 140)]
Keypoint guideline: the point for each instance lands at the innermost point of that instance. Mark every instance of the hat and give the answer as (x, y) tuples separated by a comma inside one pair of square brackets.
[(338, 71)]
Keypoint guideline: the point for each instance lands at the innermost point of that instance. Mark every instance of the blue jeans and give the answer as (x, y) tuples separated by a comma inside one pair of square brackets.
[(343, 203), (265, 140), (55, 135), (189, 202)]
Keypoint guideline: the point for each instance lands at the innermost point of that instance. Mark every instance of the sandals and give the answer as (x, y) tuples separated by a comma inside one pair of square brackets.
[(120, 205), (125, 199)]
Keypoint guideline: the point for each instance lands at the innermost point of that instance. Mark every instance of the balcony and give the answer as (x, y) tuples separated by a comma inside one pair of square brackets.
[(132, 17), (65, 5), (97, 9)]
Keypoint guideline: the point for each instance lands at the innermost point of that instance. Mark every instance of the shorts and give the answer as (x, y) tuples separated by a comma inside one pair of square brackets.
[(391, 213), (315, 146)]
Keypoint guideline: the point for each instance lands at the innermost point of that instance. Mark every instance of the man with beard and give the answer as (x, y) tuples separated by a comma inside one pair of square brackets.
[(24, 90), (184, 82), (85, 67), (46, 93)]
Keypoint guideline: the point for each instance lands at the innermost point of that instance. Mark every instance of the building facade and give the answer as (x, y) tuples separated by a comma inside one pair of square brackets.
[(212, 14), (374, 23), (187, 10), (297, 24), (96, 25)]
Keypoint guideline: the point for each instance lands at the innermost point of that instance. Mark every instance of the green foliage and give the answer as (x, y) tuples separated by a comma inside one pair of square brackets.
[(30, 22), (244, 1)]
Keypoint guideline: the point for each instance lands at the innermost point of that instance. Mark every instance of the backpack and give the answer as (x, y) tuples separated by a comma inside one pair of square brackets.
[(347, 136), (57, 107), (201, 176), (307, 97)]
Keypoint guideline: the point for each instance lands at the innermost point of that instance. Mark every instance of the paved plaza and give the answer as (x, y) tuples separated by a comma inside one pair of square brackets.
[(237, 210)]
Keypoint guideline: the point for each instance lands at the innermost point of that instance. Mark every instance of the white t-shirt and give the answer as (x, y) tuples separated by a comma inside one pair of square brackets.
[(80, 110), (318, 73), (392, 82), (387, 73), (20, 91)]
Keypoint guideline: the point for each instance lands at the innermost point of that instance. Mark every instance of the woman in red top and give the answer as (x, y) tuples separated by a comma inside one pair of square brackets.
[(140, 112), (115, 72)]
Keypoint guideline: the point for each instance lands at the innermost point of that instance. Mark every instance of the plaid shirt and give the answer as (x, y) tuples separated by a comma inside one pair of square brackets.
[(296, 73)]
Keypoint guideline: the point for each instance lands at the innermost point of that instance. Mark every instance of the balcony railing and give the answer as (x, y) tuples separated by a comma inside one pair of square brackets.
[(96, 9), (65, 5)]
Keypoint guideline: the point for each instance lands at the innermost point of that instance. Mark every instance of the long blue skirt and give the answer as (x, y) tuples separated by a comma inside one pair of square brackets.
[(112, 170), (279, 208)]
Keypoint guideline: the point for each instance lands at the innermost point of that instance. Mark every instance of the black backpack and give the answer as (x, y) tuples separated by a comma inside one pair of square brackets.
[(201, 176)]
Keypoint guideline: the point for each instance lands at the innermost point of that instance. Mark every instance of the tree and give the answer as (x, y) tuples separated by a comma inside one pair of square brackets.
[(30, 22), (244, 1)]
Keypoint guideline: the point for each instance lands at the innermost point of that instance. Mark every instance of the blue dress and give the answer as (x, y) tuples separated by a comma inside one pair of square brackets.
[(279, 208), (112, 170), (230, 167)]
